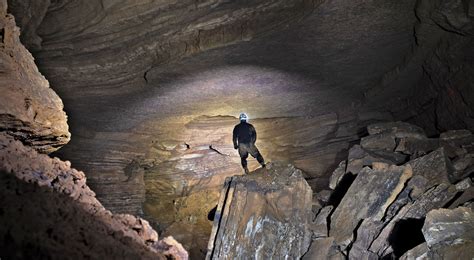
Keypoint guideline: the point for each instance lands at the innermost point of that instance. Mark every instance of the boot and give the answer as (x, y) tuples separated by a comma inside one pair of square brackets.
[(246, 170)]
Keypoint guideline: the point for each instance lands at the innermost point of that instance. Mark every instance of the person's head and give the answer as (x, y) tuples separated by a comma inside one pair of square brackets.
[(243, 117)]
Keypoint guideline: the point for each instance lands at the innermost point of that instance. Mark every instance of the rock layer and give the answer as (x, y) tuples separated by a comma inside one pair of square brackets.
[(51, 212), (263, 215), (29, 109)]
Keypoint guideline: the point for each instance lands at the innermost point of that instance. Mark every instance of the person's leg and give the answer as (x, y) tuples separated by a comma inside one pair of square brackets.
[(244, 154), (256, 154)]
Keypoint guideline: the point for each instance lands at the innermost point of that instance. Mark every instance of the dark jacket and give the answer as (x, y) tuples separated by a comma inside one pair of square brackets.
[(244, 133)]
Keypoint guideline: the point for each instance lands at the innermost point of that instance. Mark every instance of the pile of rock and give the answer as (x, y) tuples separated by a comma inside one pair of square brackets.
[(399, 194), (264, 215)]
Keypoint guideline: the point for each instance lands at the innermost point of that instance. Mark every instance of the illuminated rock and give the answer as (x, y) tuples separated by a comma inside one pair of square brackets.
[(29, 109), (263, 215)]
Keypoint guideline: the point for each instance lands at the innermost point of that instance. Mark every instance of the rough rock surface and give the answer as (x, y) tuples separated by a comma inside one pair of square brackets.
[(29, 109), (48, 211), (382, 212), (263, 215)]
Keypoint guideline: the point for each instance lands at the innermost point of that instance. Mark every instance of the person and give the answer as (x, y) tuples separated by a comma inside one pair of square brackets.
[(244, 137)]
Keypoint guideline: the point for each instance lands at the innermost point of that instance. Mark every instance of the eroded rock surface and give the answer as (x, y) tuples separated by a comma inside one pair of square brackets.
[(49, 211), (383, 210), (29, 109), (263, 215)]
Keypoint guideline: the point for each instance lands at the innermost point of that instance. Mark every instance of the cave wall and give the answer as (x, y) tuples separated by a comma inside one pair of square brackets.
[(152, 88)]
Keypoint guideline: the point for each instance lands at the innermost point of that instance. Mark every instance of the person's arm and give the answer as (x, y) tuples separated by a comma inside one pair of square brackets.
[(235, 138), (253, 134)]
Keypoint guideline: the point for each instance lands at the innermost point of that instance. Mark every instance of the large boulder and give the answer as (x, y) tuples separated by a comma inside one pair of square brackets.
[(29, 109), (263, 215)]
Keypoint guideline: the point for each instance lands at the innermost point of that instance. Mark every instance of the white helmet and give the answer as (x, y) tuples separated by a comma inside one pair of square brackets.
[(243, 117)]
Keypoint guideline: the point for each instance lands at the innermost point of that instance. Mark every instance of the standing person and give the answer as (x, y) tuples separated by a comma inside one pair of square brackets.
[(244, 137)]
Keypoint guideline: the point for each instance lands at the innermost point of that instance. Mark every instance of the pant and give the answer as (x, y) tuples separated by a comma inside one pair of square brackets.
[(245, 150)]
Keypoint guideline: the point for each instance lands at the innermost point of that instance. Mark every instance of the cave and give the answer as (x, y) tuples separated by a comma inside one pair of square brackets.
[(153, 89)]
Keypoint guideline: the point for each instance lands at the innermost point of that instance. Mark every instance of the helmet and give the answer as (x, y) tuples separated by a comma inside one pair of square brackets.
[(243, 117)]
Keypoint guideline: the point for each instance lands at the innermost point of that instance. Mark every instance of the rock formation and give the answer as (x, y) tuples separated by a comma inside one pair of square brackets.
[(263, 215), (29, 109), (383, 209), (47, 210)]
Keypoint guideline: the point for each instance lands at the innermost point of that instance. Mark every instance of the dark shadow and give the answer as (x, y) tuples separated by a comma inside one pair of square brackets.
[(341, 189), (212, 214), (406, 234)]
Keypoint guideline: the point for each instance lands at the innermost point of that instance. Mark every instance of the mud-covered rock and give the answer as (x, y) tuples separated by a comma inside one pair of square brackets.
[(263, 215)]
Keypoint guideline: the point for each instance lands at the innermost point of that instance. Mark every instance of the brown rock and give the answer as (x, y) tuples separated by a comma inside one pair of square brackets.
[(29, 109), (359, 157), (368, 197), (320, 224), (449, 233), (419, 252), (417, 147), (323, 248), (266, 214)]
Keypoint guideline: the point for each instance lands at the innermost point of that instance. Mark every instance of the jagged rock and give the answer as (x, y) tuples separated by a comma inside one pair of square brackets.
[(399, 129), (449, 233), (324, 196), (29, 109), (433, 198), (171, 248), (323, 248), (382, 141), (337, 175), (359, 157), (266, 214), (417, 253), (368, 197), (464, 184), (50, 197), (435, 167), (320, 224)]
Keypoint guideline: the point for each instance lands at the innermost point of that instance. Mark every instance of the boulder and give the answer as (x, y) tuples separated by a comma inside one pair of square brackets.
[(435, 167), (419, 252), (320, 224), (263, 215), (449, 233), (382, 141), (455, 134), (323, 248), (399, 129), (359, 157), (29, 109), (369, 196), (416, 147)]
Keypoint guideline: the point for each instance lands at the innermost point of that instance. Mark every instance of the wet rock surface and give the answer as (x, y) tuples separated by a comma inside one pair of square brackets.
[(263, 215), (29, 109), (400, 211)]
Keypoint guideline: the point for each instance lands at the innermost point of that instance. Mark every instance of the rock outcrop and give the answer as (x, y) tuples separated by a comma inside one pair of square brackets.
[(388, 210), (263, 215), (29, 109), (48, 211)]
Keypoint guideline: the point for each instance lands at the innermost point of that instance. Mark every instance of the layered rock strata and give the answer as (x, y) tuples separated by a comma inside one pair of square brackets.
[(48, 211), (263, 215), (392, 209), (29, 109)]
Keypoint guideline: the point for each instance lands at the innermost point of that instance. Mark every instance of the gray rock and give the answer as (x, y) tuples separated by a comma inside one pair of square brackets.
[(323, 248), (435, 167), (368, 197), (359, 158), (263, 215), (450, 233), (455, 134), (399, 129), (417, 253), (416, 147), (382, 141), (337, 175), (323, 196), (320, 224), (464, 184)]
